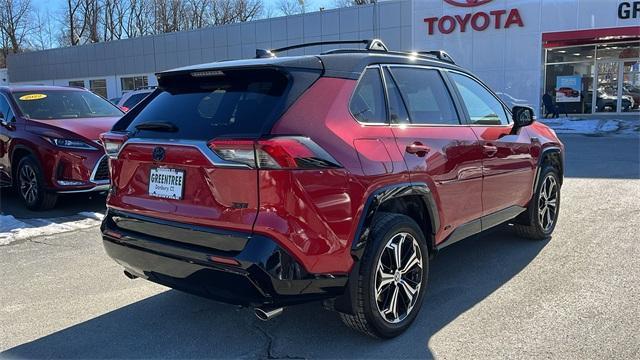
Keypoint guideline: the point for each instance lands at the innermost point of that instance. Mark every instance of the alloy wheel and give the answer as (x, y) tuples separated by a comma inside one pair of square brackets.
[(398, 277), (28, 184), (548, 203)]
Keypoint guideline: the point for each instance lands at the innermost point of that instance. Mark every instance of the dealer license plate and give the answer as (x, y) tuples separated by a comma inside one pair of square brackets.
[(166, 183)]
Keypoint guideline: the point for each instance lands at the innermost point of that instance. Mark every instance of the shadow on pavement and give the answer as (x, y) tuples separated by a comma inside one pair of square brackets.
[(68, 204), (608, 157), (176, 325)]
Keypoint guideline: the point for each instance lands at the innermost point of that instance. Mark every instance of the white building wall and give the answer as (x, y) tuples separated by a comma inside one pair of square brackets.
[(511, 60), (4, 77), (390, 20)]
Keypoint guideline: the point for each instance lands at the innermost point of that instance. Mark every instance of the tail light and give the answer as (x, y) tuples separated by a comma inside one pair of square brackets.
[(286, 152), (112, 143)]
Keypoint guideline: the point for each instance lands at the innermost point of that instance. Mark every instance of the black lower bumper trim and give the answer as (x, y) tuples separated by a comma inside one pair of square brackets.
[(266, 274)]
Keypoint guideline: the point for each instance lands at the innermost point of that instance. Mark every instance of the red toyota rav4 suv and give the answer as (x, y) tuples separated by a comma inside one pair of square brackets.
[(275, 181), (49, 142)]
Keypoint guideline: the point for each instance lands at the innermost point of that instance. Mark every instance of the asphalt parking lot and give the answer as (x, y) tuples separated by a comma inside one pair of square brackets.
[(495, 296)]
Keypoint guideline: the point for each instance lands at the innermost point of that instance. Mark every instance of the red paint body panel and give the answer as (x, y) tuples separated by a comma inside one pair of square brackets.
[(27, 135), (314, 214), (310, 214), (209, 192), (87, 128), (325, 105), (452, 168), (508, 172)]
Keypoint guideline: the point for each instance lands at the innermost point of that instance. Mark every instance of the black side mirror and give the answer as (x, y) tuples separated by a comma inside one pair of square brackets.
[(522, 116)]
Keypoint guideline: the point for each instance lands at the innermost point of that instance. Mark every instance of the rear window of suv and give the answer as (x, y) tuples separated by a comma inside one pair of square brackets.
[(238, 103)]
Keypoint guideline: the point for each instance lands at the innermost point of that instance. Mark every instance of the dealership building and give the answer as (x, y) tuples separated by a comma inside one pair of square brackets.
[(584, 53)]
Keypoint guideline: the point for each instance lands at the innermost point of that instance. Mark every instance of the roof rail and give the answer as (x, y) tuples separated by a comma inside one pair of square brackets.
[(439, 54), (371, 45)]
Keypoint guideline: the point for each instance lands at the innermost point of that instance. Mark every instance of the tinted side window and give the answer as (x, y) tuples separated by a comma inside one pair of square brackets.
[(134, 100), (397, 110), (367, 103), (4, 107), (425, 95), (482, 106)]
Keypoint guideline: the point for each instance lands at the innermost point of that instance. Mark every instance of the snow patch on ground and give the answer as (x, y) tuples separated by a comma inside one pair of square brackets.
[(12, 229), (92, 215), (571, 125)]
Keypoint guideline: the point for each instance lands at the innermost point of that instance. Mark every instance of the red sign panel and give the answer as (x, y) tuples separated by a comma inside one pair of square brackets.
[(478, 21)]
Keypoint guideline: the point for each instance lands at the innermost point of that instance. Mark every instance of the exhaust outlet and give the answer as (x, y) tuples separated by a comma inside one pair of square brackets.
[(266, 314), (130, 275)]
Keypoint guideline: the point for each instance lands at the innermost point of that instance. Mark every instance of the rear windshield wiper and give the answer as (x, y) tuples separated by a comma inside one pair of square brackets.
[(159, 126)]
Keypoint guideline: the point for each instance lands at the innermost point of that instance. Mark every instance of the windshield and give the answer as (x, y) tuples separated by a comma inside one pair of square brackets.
[(63, 104)]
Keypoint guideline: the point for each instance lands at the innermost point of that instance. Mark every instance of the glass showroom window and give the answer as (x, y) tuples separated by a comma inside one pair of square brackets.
[(618, 80), (594, 78), (76, 83), (99, 86), (134, 82), (569, 76)]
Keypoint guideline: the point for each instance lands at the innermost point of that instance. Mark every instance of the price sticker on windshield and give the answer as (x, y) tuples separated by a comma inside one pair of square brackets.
[(29, 97)]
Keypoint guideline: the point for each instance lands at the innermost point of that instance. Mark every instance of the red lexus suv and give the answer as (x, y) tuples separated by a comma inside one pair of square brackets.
[(49, 142), (282, 180)]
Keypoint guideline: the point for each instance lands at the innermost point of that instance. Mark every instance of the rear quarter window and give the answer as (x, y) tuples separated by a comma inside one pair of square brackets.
[(367, 103)]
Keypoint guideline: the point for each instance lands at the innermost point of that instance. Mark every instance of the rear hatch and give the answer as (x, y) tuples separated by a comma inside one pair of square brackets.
[(171, 162)]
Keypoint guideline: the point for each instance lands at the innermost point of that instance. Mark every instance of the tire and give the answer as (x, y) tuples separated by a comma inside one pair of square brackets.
[(388, 231), (539, 225), (30, 185)]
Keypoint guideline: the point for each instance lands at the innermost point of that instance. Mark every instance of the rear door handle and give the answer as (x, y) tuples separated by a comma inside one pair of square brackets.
[(417, 148), (490, 150)]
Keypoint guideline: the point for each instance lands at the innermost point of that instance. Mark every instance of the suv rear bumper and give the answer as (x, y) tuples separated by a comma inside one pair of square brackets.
[(265, 273)]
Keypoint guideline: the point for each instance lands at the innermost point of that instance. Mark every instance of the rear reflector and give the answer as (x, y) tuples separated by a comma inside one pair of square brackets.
[(224, 260), (113, 234), (287, 152)]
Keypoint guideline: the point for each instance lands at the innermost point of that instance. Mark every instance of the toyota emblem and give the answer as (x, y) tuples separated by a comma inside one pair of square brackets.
[(158, 154)]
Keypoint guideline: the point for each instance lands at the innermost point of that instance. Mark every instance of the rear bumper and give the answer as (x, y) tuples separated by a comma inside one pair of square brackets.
[(265, 273)]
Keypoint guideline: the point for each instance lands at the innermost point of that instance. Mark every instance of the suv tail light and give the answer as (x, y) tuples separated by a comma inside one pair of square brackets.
[(286, 152), (112, 143)]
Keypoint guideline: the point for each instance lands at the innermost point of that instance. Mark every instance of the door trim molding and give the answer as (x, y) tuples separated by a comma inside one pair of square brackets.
[(483, 223)]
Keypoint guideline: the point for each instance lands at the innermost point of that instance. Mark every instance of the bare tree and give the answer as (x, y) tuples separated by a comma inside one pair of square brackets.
[(90, 21), (291, 7), (43, 33), (197, 13), (347, 3), (169, 15), (247, 10), (73, 24), (138, 18), (222, 12), (90, 14), (15, 24)]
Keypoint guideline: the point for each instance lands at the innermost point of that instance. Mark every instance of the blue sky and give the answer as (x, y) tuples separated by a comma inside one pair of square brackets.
[(53, 6)]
